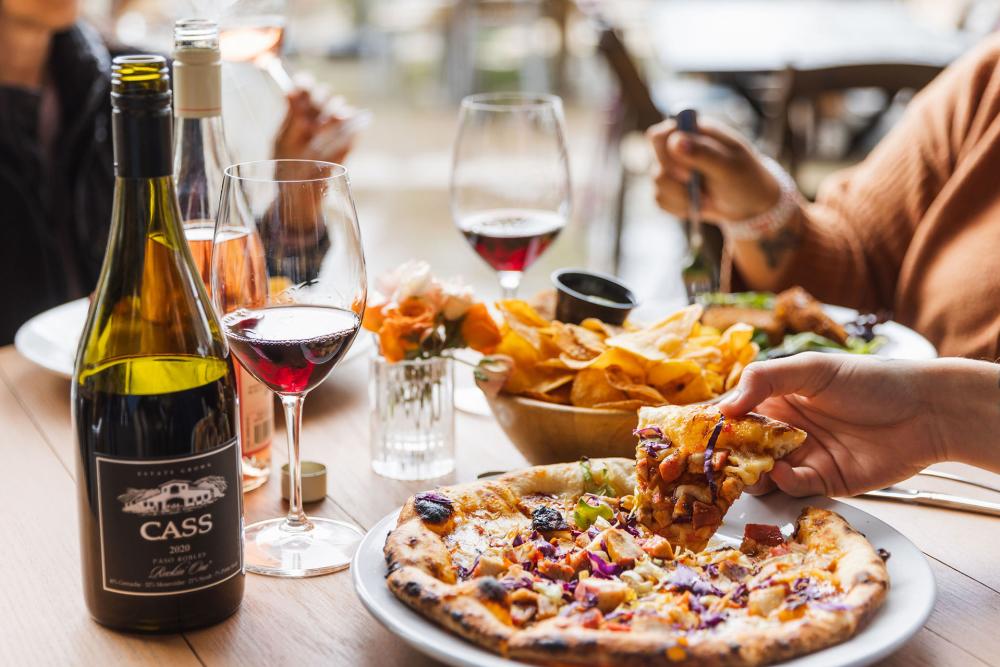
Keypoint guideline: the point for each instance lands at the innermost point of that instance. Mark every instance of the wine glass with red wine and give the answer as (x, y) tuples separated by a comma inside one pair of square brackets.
[(288, 278), (510, 192)]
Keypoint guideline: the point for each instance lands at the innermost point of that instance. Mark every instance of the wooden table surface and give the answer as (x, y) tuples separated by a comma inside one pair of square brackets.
[(320, 620)]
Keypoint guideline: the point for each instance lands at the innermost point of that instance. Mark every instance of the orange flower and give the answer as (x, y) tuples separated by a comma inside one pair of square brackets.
[(401, 328), (480, 330), (373, 318)]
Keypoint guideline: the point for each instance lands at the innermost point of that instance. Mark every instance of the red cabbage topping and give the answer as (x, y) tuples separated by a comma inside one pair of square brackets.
[(648, 433), (465, 573), (592, 532), (803, 591), (711, 620), (630, 526), (712, 570), (652, 447), (740, 595), (685, 579), (518, 541), (433, 507), (601, 568), (514, 584), (587, 599), (545, 548), (709, 451), (884, 555)]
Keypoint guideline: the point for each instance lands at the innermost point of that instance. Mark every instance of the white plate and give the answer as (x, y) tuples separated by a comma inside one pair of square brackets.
[(907, 606), (49, 339), (900, 342)]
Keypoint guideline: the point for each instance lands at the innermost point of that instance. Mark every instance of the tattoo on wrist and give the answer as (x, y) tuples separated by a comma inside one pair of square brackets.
[(777, 246)]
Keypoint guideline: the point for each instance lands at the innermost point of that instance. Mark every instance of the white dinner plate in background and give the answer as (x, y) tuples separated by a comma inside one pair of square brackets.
[(49, 339)]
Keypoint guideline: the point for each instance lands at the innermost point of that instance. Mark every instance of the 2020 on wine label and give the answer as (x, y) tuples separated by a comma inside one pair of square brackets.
[(168, 512)]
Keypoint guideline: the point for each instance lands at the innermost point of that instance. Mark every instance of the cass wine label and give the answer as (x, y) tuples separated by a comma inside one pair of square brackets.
[(166, 510), (154, 398)]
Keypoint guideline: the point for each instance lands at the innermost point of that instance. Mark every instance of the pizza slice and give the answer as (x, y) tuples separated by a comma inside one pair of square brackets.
[(692, 464)]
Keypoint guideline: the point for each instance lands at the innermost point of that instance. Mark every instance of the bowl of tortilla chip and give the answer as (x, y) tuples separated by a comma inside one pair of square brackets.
[(561, 391)]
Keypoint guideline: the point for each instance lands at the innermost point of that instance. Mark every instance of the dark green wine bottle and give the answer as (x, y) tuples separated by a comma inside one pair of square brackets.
[(154, 398)]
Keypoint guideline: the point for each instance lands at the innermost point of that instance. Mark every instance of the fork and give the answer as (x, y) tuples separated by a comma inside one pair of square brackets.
[(698, 274)]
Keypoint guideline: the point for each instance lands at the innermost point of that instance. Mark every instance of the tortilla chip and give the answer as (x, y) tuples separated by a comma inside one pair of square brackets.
[(618, 379), (599, 327), (669, 370), (576, 342), (591, 387), (661, 340)]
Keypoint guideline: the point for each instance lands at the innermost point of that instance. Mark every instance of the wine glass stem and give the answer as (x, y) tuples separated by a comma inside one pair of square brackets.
[(293, 422), (509, 282)]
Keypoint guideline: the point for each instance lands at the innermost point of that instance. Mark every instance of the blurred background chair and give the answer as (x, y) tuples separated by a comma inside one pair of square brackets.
[(827, 117)]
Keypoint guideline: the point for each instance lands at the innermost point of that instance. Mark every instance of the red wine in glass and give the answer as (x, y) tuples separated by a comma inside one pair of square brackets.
[(290, 348), (511, 239)]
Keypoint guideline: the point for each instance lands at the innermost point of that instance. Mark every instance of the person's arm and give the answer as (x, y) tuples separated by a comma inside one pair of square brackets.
[(848, 247), (873, 422)]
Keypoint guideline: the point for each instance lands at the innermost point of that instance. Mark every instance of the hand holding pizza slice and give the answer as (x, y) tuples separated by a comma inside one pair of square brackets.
[(692, 464)]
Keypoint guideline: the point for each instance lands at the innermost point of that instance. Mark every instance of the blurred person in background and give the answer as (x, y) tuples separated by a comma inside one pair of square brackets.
[(56, 163), (913, 229)]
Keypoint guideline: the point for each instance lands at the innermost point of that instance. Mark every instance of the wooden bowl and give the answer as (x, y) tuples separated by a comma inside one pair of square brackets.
[(552, 433)]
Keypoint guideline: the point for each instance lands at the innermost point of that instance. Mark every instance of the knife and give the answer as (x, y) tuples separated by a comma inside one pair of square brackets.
[(915, 497), (958, 478)]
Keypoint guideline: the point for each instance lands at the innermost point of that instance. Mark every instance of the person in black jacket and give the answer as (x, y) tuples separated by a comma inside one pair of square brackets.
[(56, 165)]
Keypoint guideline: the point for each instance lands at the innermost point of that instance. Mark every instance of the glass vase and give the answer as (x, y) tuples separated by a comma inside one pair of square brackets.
[(412, 417)]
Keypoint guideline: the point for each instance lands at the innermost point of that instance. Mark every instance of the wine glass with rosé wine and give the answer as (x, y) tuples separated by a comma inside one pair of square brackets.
[(510, 188), (297, 220)]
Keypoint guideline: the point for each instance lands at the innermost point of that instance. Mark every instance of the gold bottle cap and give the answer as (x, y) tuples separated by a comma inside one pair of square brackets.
[(313, 481)]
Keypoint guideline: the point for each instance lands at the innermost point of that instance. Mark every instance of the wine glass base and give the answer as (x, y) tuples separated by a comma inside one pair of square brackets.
[(322, 546)]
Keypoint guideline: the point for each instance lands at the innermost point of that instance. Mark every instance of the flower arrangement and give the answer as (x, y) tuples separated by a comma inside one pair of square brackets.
[(417, 316)]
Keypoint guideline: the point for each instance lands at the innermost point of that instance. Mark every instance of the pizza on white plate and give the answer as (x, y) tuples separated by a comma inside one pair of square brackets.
[(552, 565)]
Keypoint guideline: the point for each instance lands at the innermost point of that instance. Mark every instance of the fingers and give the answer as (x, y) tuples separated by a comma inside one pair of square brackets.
[(763, 486), (671, 194), (798, 481), (704, 153), (657, 135), (804, 374)]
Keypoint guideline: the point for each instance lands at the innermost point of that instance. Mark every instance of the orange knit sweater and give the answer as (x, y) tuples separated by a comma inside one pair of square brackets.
[(915, 228)]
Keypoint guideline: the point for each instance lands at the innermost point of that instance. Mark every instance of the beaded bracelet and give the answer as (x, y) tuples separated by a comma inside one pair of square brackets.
[(774, 218)]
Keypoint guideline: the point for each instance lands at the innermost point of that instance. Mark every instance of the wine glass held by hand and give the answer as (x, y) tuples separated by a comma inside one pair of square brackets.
[(290, 332), (510, 185)]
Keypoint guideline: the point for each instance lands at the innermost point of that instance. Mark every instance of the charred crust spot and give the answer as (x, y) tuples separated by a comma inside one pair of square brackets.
[(491, 589), (411, 588), (393, 566), (547, 519), (413, 541), (552, 645), (433, 507)]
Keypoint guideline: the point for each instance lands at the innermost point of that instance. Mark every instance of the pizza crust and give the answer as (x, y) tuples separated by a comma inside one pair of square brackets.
[(421, 574)]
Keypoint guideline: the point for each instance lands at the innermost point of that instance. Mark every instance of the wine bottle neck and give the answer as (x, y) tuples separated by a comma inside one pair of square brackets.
[(197, 83), (142, 140), (200, 156)]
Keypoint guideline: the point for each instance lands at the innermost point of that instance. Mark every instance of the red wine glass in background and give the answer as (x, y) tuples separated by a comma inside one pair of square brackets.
[(296, 218), (510, 191)]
